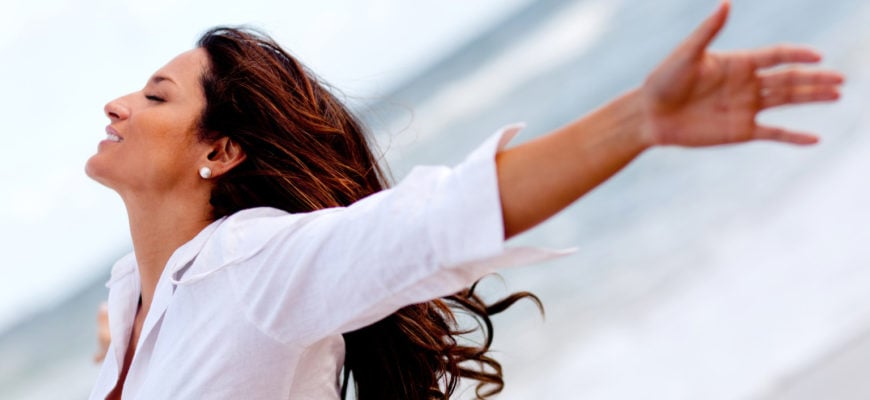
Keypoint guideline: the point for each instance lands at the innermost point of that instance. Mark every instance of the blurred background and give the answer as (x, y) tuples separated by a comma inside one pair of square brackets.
[(724, 273)]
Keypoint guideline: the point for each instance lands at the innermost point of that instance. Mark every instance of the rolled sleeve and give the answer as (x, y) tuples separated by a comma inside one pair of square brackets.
[(466, 214)]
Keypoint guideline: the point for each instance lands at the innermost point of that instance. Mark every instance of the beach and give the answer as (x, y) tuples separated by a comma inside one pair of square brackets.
[(722, 273)]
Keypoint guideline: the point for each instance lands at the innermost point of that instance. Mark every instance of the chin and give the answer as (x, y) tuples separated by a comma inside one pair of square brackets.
[(96, 171)]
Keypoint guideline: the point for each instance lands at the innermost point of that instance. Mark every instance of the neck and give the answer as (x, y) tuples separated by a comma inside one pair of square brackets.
[(158, 227)]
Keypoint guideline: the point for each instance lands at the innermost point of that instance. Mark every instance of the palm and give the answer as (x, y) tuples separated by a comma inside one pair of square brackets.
[(699, 98)]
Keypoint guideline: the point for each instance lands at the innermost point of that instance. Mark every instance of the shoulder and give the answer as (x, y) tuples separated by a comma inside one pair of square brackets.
[(252, 228), (243, 237)]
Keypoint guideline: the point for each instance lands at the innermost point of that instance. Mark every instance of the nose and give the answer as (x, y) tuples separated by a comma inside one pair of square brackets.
[(117, 110)]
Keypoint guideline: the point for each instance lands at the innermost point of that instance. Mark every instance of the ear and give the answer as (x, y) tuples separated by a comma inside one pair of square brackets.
[(224, 155)]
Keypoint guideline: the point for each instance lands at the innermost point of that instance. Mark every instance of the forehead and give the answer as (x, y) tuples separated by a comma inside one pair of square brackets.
[(185, 69)]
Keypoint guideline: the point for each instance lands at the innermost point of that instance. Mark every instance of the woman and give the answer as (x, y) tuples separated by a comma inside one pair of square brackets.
[(264, 243)]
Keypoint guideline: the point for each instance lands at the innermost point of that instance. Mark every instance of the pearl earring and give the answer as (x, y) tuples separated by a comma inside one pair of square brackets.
[(205, 172)]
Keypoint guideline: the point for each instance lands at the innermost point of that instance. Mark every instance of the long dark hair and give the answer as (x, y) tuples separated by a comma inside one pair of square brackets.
[(306, 151)]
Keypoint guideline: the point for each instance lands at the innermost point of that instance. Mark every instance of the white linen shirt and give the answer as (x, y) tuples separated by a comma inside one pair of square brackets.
[(254, 306)]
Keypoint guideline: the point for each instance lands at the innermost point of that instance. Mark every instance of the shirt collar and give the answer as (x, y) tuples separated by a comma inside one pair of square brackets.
[(188, 251), (180, 258)]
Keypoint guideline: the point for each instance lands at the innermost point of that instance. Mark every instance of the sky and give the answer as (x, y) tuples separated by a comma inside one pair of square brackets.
[(64, 59)]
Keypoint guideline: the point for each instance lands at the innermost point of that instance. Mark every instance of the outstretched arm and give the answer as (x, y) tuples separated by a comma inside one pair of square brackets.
[(693, 98)]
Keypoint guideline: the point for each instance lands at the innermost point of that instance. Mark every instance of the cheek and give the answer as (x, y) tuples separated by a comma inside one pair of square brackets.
[(160, 151), (168, 157), (158, 160)]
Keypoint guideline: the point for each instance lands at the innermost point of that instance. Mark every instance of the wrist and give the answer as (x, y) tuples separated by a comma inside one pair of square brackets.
[(629, 123)]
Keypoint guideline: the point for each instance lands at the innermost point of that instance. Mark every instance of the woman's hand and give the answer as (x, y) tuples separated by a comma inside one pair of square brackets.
[(103, 335), (699, 98), (693, 98)]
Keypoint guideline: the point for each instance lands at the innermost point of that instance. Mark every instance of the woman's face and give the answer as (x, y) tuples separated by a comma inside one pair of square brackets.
[(151, 144)]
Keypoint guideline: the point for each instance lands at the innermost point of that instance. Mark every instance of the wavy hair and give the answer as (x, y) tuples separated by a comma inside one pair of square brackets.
[(306, 151)]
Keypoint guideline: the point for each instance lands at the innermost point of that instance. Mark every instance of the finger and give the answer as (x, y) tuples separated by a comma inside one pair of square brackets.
[(784, 135), (781, 54), (698, 41), (798, 95), (798, 77), (103, 315)]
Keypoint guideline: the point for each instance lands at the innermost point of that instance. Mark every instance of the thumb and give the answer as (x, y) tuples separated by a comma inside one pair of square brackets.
[(697, 42)]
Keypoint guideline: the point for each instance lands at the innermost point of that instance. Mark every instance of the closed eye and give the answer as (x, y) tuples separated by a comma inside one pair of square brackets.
[(152, 97)]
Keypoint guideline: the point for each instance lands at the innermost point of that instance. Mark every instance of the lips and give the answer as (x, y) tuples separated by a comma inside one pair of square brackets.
[(112, 135)]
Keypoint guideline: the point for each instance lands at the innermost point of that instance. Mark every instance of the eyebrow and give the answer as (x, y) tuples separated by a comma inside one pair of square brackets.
[(160, 78)]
